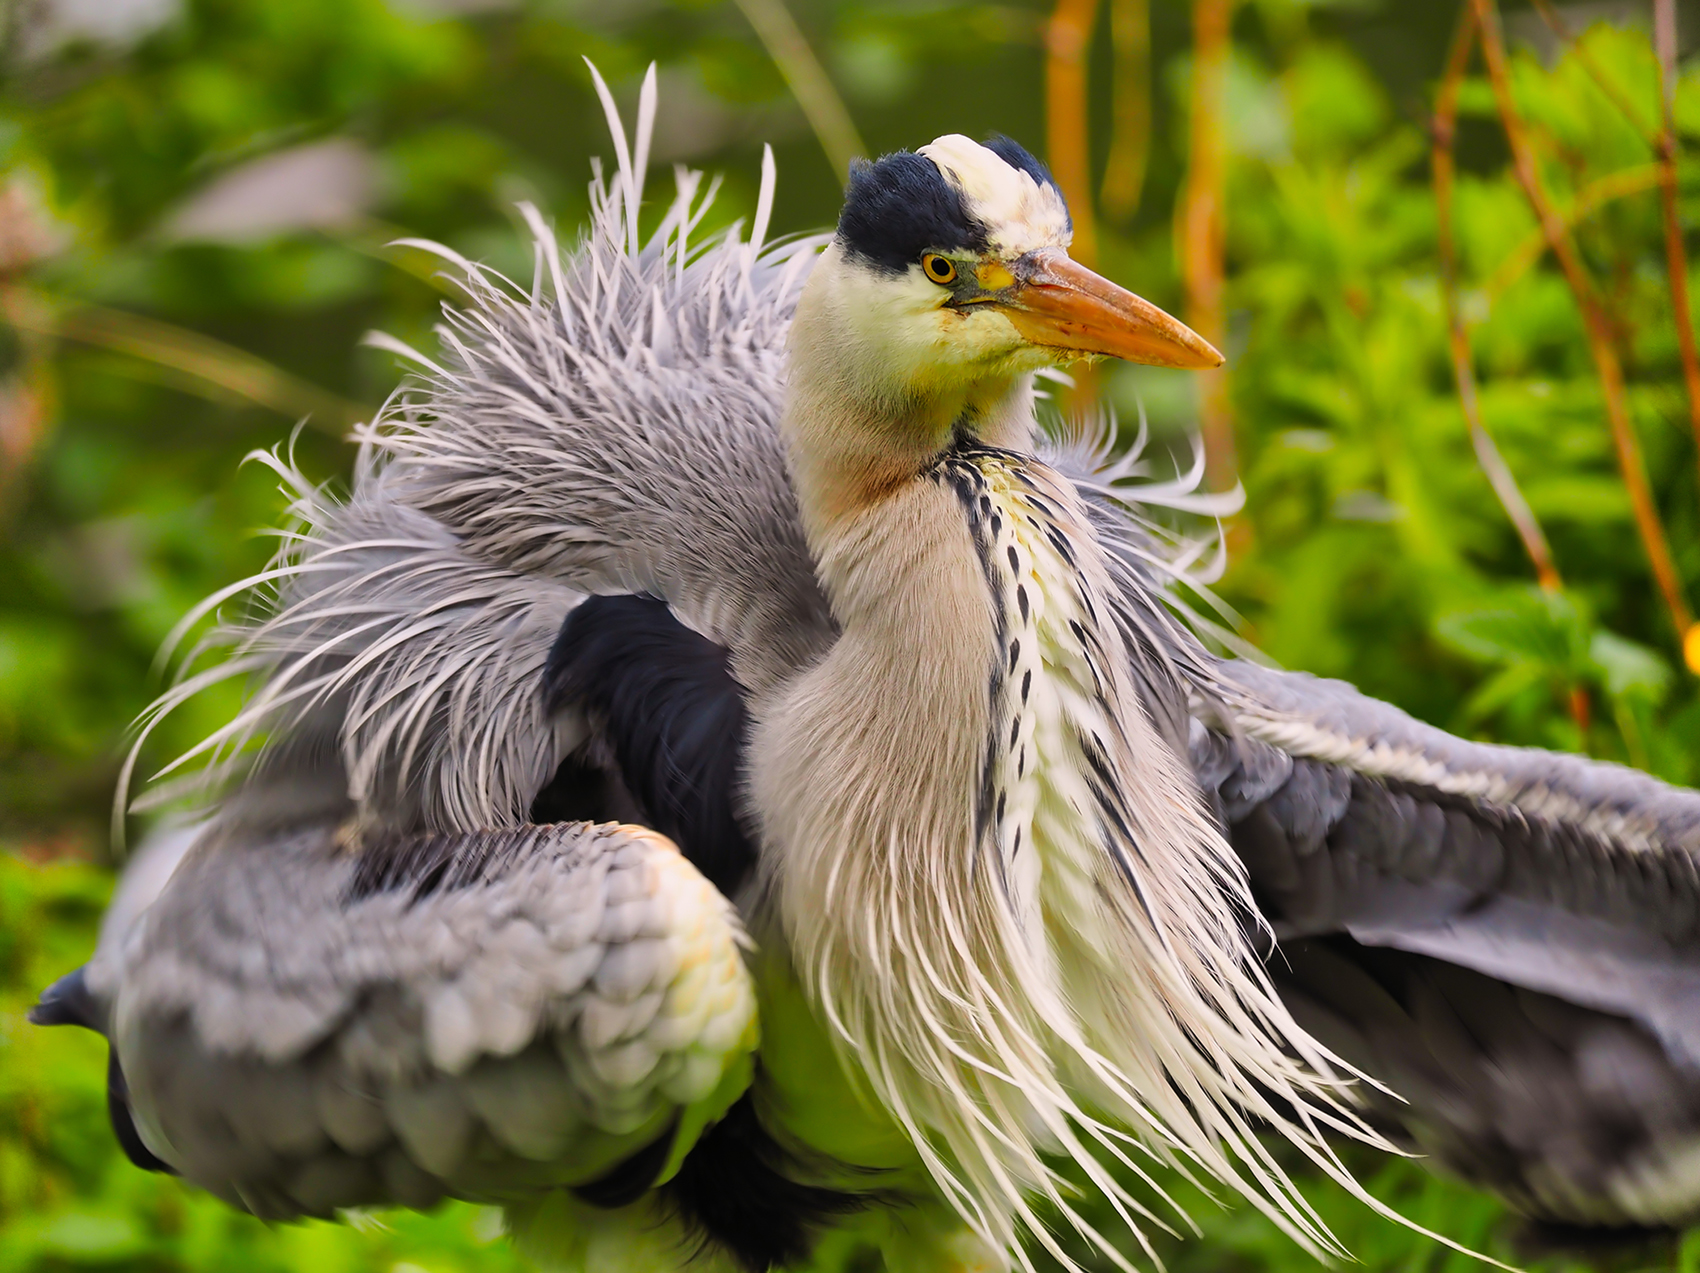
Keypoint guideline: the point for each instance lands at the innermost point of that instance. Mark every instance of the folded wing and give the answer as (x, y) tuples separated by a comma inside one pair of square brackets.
[(305, 1022)]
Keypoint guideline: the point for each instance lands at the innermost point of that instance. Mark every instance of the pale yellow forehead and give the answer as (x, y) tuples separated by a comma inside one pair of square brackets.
[(1019, 214)]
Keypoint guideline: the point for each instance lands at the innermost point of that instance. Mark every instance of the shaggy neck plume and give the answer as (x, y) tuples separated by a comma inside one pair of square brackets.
[(996, 880)]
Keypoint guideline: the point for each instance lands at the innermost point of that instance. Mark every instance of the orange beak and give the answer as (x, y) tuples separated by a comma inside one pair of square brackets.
[(1060, 304)]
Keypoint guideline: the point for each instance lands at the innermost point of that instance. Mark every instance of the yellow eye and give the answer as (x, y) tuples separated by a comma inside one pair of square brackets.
[(937, 268)]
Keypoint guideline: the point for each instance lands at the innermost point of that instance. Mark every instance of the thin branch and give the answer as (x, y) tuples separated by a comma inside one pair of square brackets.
[(1202, 230), (1629, 110), (202, 363), (1130, 108), (1068, 38), (807, 79), (1663, 143), (1676, 253), (1499, 475), (1595, 323), (1488, 455)]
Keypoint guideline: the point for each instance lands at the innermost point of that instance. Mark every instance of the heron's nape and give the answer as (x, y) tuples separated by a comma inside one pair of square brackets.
[(749, 570)]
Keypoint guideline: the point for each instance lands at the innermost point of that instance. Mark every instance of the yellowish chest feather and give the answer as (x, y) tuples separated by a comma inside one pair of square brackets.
[(1048, 804)]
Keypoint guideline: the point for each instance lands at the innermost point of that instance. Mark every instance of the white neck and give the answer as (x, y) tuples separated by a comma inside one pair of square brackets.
[(1082, 937), (862, 418)]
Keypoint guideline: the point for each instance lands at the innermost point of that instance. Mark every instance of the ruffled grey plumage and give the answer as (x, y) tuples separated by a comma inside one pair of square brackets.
[(614, 428)]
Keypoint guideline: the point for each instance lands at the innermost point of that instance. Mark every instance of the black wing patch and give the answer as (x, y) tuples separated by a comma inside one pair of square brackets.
[(672, 714), (738, 1187), (669, 707)]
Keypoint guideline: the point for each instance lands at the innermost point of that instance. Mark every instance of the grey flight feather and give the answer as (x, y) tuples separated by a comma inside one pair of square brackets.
[(1545, 1019), (1331, 720), (307, 1024), (1571, 1114)]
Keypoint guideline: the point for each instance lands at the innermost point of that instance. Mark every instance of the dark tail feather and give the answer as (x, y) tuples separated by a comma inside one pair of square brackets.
[(69, 1001)]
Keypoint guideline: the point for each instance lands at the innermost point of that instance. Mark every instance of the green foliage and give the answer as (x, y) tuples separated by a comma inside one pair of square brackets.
[(1372, 547)]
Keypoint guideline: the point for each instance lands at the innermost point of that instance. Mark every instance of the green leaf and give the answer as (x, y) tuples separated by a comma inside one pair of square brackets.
[(1629, 668), (1528, 627)]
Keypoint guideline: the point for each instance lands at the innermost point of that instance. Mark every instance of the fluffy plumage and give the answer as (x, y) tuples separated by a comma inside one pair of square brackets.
[(615, 427), (307, 1023)]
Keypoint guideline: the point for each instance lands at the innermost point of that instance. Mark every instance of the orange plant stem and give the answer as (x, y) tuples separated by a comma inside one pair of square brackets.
[(1068, 38), (1202, 227), (1595, 323), (1130, 132), (1676, 253), (1493, 464), (1559, 27)]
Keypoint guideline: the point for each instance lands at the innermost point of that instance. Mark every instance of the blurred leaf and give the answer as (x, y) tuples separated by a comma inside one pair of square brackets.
[(1628, 668), (1534, 627)]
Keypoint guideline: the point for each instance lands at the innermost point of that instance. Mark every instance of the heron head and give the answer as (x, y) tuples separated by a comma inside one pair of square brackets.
[(952, 266)]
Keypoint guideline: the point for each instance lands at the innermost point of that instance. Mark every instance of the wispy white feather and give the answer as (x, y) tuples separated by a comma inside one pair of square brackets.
[(613, 428)]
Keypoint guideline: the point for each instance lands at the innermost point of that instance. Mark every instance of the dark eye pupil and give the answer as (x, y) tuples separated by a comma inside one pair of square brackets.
[(938, 267)]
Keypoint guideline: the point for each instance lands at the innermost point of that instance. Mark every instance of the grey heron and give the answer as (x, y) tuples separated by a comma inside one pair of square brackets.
[(727, 779)]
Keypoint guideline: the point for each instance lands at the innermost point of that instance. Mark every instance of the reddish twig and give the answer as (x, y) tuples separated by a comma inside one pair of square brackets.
[(1621, 184), (1630, 112), (1663, 143), (1595, 324), (1068, 38), (1202, 230), (1498, 472), (1488, 455), (1676, 254), (1130, 110)]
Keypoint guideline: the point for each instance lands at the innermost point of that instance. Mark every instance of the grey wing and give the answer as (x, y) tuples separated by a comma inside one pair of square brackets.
[(1510, 938), (306, 1023), (395, 673), (616, 428)]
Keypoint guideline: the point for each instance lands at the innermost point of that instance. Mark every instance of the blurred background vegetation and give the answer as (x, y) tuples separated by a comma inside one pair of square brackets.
[(197, 199)]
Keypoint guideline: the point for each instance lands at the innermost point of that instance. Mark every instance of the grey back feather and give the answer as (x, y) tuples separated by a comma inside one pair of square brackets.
[(616, 427), (387, 651), (613, 429)]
